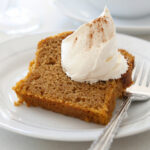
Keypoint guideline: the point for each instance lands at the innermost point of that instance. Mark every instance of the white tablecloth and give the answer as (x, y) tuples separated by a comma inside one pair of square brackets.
[(53, 20)]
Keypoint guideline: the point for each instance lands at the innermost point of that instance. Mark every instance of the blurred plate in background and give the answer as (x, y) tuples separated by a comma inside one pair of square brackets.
[(86, 10)]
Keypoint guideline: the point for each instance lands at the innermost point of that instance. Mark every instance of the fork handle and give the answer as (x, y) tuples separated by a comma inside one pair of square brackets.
[(104, 141)]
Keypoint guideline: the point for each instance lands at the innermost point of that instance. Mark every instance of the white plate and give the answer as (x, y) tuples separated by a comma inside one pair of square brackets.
[(85, 11), (36, 122)]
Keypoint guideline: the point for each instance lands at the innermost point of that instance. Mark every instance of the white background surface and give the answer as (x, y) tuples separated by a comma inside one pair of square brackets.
[(12, 141), (54, 20)]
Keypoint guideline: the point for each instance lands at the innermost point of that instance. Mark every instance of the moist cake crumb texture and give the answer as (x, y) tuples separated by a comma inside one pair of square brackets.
[(46, 85)]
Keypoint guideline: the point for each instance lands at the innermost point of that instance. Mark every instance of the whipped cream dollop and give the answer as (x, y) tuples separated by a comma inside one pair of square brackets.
[(91, 54)]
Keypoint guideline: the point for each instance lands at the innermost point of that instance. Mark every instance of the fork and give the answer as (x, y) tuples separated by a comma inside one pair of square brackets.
[(139, 91)]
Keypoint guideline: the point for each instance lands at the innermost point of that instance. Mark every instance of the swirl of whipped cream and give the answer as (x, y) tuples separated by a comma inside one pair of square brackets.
[(91, 54)]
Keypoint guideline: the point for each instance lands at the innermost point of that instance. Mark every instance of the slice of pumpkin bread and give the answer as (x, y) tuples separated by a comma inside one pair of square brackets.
[(46, 85)]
